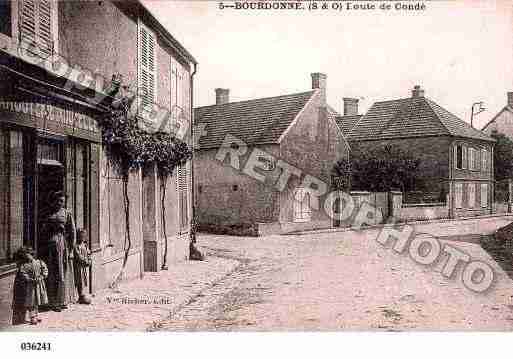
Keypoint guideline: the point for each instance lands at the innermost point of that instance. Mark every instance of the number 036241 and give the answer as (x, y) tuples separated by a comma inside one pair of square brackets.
[(36, 346)]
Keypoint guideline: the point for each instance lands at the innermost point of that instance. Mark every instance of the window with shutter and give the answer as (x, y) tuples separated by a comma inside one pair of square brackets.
[(471, 195), (484, 160), (147, 72), (484, 195), (458, 195), (458, 156), (36, 20)]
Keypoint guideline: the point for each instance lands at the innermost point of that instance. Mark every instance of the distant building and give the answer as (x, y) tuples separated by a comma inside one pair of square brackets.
[(503, 121), (297, 130), (455, 158), (348, 120), (50, 139)]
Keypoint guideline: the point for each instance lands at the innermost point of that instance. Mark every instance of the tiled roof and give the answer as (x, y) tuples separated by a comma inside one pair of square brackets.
[(346, 123), (411, 117), (254, 122)]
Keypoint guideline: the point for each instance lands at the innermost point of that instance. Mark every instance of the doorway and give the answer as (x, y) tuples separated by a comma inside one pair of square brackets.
[(50, 178)]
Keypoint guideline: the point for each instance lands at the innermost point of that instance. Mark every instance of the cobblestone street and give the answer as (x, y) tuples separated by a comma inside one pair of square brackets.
[(340, 281), (319, 281)]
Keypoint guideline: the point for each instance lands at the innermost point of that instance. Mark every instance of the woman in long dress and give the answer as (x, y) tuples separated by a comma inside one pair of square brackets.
[(60, 230)]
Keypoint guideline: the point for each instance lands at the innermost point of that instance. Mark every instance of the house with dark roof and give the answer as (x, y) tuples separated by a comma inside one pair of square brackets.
[(456, 159), (264, 165), (503, 121)]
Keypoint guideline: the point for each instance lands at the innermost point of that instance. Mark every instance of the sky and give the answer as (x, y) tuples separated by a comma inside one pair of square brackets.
[(460, 52)]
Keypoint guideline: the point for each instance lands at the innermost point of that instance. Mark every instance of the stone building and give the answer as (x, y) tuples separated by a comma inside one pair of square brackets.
[(252, 162), (453, 155), (503, 121), (57, 59)]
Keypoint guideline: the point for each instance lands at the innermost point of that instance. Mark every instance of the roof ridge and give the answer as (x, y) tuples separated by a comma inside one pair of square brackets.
[(464, 123), (429, 101), (399, 114), (257, 99), (505, 108)]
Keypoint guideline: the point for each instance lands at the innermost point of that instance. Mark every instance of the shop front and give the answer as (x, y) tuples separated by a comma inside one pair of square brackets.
[(48, 143)]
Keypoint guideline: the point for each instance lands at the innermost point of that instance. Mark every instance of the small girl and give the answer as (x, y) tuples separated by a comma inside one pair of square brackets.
[(82, 263), (29, 286)]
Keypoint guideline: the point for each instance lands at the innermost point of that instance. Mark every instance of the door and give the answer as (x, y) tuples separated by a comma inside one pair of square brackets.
[(50, 178)]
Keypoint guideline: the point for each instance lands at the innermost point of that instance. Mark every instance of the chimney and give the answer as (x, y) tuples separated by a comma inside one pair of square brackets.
[(417, 91), (222, 96), (319, 82), (350, 106), (510, 99)]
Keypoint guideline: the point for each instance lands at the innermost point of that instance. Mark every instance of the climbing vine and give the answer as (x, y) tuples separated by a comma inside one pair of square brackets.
[(130, 148)]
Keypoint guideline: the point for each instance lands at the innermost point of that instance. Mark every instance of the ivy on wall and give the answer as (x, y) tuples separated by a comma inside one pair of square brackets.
[(129, 148)]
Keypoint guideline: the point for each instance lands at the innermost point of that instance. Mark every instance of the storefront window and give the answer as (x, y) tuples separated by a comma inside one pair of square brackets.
[(12, 194)]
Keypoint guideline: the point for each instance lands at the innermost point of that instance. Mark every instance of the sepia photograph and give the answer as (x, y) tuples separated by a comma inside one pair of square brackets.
[(307, 167)]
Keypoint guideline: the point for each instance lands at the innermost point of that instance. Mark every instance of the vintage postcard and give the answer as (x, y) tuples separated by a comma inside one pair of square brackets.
[(255, 166)]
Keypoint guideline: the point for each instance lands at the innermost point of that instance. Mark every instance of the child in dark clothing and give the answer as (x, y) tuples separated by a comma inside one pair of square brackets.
[(82, 263), (29, 287)]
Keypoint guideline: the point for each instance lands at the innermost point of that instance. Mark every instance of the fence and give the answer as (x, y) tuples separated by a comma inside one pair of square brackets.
[(386, 205)]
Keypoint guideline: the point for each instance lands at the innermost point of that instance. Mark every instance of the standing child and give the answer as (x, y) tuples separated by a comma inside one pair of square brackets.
[(29, 286), (82, 263)]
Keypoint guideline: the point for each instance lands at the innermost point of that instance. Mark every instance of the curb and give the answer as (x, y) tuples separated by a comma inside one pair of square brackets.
[(399, 224)]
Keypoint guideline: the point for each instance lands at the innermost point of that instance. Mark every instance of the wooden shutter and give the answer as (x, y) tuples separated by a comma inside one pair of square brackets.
[(27, 19), (147, 68), (458, 195), (16, 220), (471, 195), (4, 197), (70, 177), (464, 156), (484, 195), (94, 187), (484, 160), (44, 28), (36, 24), (183, 189)]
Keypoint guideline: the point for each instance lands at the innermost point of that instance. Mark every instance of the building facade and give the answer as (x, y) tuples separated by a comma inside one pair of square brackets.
[(456, 160), (503, 121), (57, 59), (250, 145)]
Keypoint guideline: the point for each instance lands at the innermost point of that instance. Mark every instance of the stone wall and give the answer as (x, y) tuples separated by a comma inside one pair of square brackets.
[(226, 196), (423, 212)]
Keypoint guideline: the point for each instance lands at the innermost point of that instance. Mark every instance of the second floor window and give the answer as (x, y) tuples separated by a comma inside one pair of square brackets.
[(471, 159), (5, 17), (147, 71), (36, 26), (484, 160), (458, 156)]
